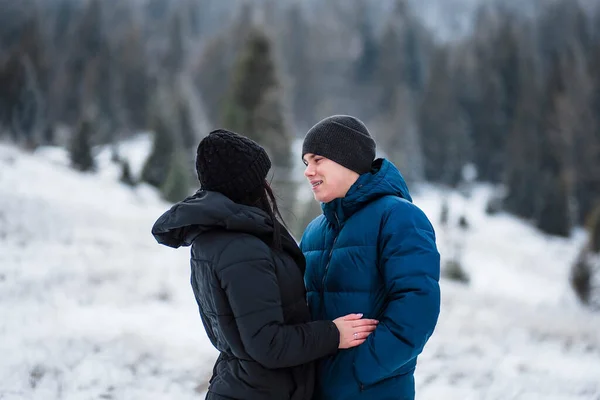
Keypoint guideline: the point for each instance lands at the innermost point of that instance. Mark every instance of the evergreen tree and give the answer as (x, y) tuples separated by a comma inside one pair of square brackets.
[(398, 133), (174, 127), (444, 135), (157, 165), (136, 88), (185, 122), (213, 72), (413, 58), (522, 173), (579, 115), (585, 272), (177, 183), (389, 66), (254, 105), (367, 61), (80, 150), (492, 109), (65, 14), (254, 108), (552, 214), (126, 176), (174, 58), (87, 43), (23, 81), (294, 44)]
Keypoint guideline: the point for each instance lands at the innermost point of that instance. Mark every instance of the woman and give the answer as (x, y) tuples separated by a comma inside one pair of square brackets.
[(247, 277)]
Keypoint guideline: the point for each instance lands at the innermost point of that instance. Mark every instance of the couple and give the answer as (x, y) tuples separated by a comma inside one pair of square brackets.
[(343, 316)]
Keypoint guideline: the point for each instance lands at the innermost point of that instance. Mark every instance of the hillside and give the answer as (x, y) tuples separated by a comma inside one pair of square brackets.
[(92, 307)]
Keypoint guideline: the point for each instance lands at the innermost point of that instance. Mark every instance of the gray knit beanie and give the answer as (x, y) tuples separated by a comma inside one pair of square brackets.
[(343, 139)]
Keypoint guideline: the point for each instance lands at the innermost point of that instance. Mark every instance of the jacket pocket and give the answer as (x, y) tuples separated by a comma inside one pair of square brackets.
[(362, 387), (398, 375)]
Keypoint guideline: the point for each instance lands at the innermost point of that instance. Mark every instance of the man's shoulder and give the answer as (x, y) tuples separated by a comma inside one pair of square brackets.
[(389, 204), (392, 201), (400, 211)]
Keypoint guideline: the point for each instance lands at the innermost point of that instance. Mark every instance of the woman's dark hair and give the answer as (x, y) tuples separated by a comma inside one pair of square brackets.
[(264, 198)]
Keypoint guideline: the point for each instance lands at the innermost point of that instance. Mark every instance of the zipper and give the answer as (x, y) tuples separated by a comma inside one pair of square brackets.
[(329, 258)]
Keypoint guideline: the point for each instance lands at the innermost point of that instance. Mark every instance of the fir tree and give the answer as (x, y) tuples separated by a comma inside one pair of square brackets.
[(445, 141), (552, 194), (80, 150), (522, 174), (254, 108), (254, 104), (176, 185), (126, 176), (585, 272), (156, 167)]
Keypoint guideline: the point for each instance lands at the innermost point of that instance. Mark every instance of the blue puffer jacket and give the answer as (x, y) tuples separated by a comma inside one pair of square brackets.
[(374, 252)]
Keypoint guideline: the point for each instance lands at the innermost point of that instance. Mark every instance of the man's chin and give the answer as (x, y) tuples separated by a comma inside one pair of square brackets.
[(322, 199)]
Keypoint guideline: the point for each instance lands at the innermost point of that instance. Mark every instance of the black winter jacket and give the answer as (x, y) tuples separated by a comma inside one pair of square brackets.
[(251, 298)]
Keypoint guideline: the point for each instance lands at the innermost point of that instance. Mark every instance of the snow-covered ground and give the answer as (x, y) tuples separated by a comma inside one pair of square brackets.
[(92, 308), (517, 331)]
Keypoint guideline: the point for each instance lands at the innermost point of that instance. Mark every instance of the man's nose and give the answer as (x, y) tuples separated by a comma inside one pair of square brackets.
[(309, 171)]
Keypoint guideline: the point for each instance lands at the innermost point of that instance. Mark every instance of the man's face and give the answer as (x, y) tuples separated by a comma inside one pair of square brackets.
[(328, 179)]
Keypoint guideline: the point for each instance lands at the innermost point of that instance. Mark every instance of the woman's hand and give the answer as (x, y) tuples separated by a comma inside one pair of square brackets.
[(354, 330)]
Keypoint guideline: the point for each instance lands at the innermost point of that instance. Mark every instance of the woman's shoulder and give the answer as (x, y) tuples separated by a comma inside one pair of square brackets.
[(226, 247)]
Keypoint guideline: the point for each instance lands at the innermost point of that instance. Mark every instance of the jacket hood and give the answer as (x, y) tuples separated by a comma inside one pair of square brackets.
[(384, 179), (204, 211)]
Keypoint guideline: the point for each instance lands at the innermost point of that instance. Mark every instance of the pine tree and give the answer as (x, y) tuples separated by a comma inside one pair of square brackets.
[(213, 72), (444, 135), (135, 81), (254, 105), (126, 176), (254, 108), (494, 103), (553, 217), (87, 43), (156, 167), (294, 44), (585, 272), (398, 133), (177, 182), (174, 59), (390, 65), (367, 61), (522, 173), (401, 53), (552, 195), (183, 115), (80, 150)]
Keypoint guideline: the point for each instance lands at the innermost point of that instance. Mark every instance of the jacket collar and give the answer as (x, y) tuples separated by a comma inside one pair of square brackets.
[(384, 179)]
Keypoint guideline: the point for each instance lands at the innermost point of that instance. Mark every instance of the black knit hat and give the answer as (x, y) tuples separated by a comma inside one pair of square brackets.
[(343, 139), (231, 164)]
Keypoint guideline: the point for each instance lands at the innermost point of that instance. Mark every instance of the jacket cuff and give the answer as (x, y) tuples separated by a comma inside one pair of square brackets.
[(331, 337)]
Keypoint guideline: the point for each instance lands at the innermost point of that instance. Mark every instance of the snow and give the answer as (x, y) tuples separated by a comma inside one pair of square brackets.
[(516, 331), (92, 307)]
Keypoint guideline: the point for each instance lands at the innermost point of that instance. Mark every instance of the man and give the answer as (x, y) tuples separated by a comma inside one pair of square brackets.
[(372, 251)]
